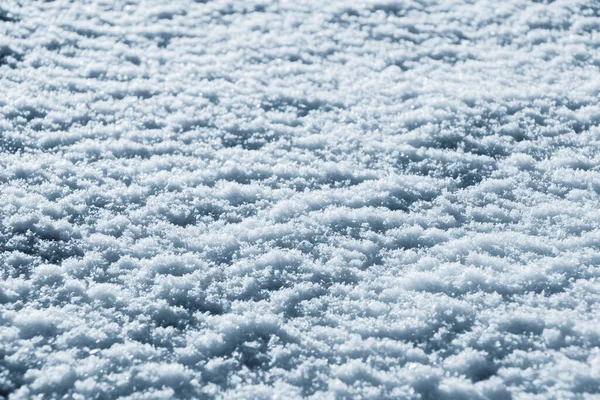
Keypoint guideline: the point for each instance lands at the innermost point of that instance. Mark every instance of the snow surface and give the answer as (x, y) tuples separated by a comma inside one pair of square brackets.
[(324, 199)]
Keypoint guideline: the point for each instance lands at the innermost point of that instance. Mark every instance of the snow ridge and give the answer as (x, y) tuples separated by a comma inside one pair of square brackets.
[(299, 199)]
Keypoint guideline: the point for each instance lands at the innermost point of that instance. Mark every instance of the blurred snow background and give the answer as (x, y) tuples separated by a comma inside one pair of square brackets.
[(326, 199)]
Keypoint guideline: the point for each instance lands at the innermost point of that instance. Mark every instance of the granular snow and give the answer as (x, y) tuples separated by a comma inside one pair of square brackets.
[(300, 199)]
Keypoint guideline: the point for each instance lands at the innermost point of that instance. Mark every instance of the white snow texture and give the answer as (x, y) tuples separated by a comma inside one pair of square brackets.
[(379, 199)]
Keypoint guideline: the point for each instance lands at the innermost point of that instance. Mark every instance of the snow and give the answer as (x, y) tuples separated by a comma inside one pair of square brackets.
[(300, 199)]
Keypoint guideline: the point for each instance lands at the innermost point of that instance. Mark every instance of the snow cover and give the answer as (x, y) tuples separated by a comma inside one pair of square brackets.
[(288, 199)]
